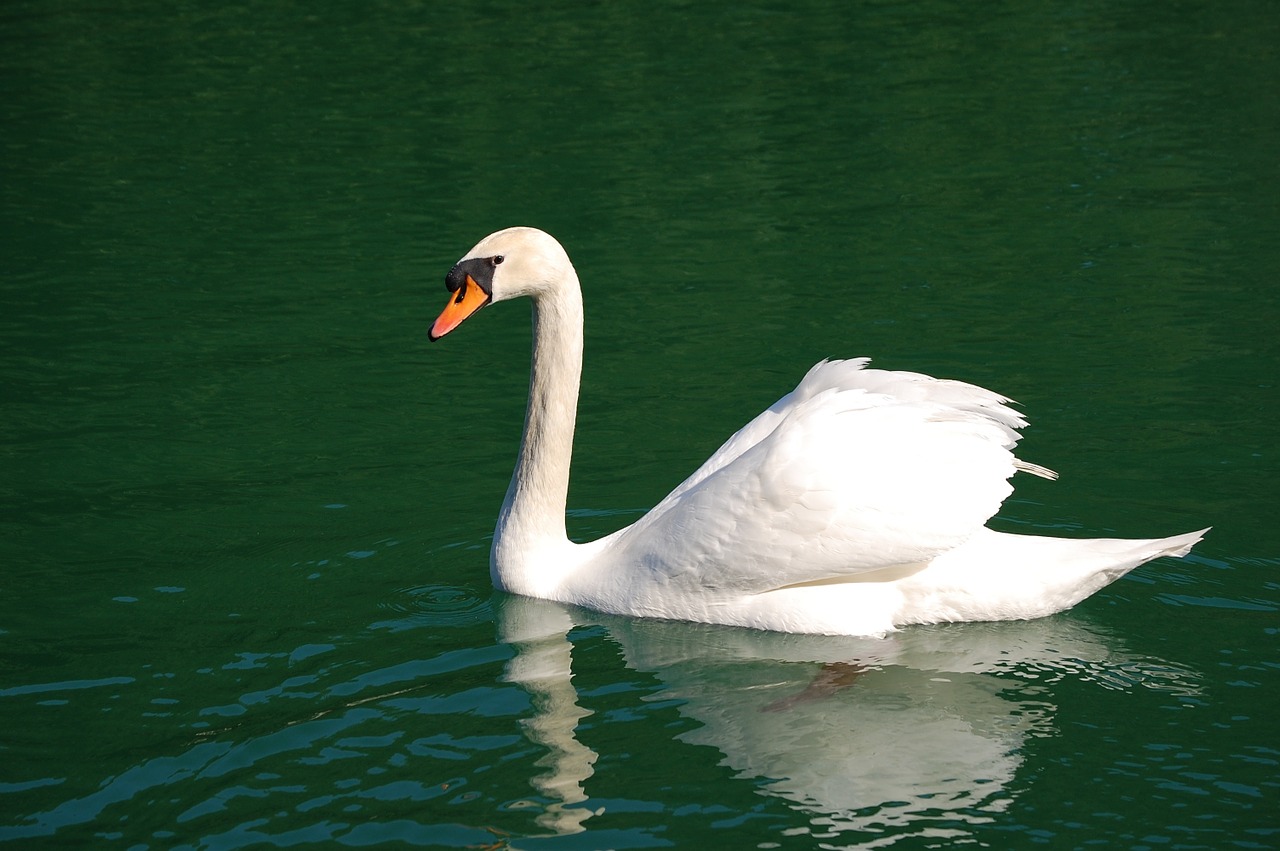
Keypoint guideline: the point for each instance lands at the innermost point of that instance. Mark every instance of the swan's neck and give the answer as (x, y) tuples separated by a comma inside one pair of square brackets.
[(531, 526)]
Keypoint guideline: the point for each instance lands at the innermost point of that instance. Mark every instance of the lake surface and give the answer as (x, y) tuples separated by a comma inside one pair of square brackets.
[(245, 507)]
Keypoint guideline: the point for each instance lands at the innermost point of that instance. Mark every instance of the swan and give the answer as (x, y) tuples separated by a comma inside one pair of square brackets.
[(854, 505)]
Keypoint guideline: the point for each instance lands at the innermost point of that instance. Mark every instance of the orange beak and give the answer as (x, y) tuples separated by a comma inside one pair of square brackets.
[(467, 300)]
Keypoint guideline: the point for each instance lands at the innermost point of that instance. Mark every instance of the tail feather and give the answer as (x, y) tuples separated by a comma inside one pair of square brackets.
[(1179, 545), (999, 576)]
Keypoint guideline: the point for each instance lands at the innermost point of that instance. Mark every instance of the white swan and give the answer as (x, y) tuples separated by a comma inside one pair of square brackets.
[(854, 505)]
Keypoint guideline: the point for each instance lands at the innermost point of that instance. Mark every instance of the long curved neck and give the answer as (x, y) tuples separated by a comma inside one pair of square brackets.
[(532, 518)]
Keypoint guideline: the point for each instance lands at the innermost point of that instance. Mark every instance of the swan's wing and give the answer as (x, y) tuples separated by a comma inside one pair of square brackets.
[(851, 375), (855, 471)]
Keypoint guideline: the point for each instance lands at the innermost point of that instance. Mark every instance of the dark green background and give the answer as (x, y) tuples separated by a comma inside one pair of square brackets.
[(244, 507)]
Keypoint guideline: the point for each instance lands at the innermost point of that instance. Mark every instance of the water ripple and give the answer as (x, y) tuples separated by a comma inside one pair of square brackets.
[(436, 605)]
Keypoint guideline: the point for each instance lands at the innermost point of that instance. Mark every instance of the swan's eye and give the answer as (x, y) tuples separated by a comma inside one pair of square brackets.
[(497, 259)]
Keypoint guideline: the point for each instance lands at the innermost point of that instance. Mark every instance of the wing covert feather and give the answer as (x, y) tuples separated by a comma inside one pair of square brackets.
[(854, 471)]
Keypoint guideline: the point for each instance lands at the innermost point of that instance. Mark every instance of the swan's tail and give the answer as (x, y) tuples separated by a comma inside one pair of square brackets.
[(998, 576), (1178, 545)]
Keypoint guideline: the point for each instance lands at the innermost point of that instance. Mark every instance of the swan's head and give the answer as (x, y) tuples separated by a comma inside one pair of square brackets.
[(508, 264)]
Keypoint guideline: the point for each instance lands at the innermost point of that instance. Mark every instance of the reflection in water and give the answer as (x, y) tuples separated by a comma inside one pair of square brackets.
[(916, 734), (543, 667)]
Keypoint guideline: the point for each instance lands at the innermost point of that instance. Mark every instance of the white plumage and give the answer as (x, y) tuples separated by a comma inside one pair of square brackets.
[(853, 505)]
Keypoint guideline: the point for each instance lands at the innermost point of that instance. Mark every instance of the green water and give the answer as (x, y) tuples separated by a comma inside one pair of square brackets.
[(245, 507)]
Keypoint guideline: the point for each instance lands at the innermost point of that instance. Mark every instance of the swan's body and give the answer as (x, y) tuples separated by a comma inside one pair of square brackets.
[(854, 505)]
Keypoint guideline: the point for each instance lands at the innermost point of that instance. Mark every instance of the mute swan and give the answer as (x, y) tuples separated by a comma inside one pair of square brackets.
[(854, 505)]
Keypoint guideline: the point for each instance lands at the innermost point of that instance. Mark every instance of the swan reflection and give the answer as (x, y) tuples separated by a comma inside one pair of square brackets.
[(919, 733)]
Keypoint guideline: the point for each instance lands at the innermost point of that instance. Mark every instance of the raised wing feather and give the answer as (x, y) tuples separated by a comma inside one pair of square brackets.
[(856, 470)]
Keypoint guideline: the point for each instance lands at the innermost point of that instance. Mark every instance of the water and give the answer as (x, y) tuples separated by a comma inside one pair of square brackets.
[(246, 507)]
